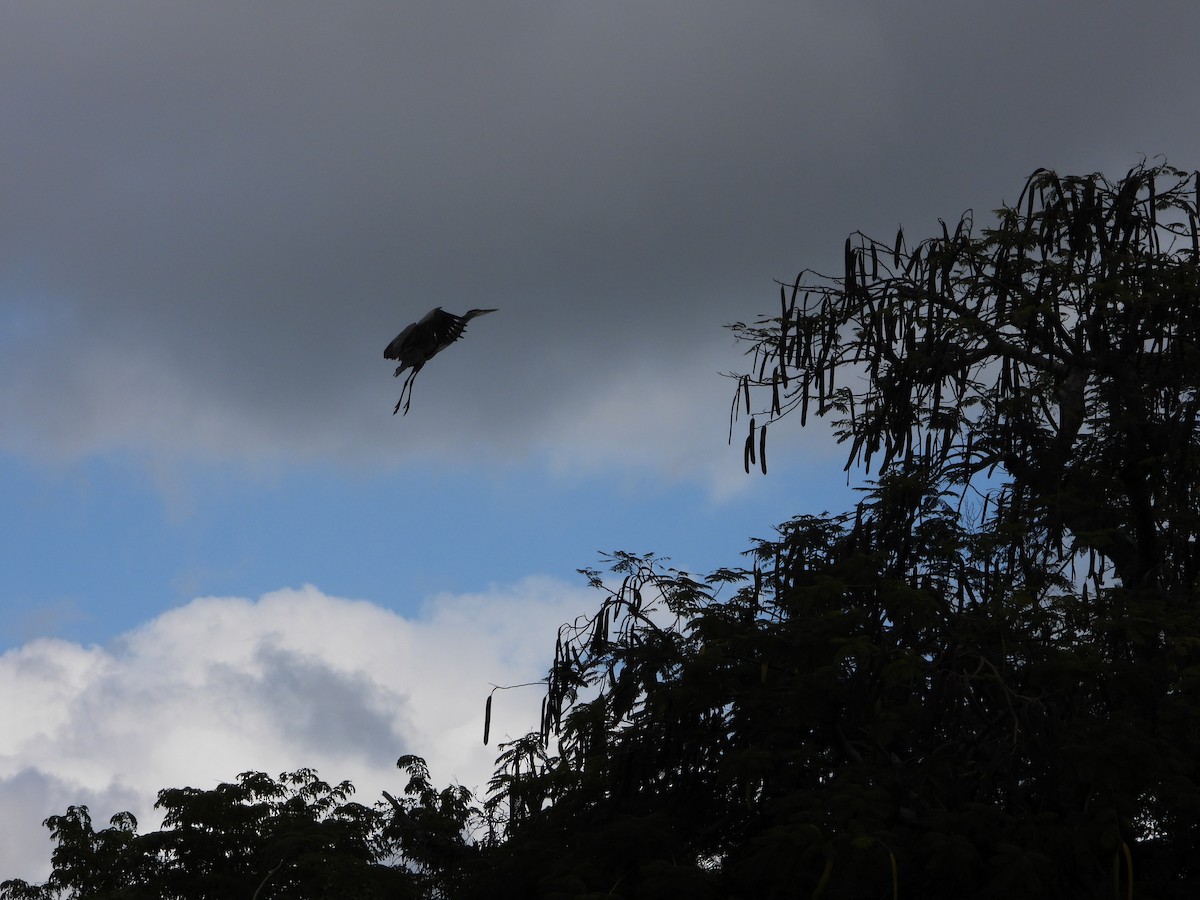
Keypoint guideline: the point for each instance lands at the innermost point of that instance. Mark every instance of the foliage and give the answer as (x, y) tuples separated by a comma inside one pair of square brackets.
[(263, 838), (1062, 346), (984, 680), (430, 830)]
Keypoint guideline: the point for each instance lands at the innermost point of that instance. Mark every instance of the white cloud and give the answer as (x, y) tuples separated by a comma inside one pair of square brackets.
[(296, 678)]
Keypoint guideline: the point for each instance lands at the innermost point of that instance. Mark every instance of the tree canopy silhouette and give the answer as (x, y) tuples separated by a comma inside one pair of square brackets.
[(261, 838), (1061, 346), (980, 682)]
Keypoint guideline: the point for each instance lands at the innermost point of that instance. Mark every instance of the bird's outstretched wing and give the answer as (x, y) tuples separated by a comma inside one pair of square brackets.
[(396, 347)]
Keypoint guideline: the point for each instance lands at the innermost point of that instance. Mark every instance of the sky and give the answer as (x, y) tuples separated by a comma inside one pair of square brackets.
[(220, 551)]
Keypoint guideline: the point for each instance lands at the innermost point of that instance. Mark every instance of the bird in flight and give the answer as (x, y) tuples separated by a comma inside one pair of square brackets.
[(421, 341)]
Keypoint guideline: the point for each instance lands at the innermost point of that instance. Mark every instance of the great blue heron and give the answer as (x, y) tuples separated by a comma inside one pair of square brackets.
[(421, 341)]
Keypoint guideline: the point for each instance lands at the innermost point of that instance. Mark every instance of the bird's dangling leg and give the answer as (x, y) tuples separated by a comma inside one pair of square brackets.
[(407, 386)]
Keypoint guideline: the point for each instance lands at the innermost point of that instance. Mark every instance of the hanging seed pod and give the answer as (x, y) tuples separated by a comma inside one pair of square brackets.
[(850, 286), (914, 260), (784, 322), (748, 452), (1150, 202), (762, 449), (598, 633), (855, 450), (487, 719)]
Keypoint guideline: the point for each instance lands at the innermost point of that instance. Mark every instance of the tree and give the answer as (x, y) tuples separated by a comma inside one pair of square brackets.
[(261, 838), (1062, 346), (983, 680)]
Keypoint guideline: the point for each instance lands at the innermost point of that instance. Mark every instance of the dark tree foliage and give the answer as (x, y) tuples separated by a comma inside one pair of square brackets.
[(430, 831), (1062, 347), (262, 838), (983, 681)]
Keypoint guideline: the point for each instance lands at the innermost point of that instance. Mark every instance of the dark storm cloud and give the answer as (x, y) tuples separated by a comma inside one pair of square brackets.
[(216, 215)]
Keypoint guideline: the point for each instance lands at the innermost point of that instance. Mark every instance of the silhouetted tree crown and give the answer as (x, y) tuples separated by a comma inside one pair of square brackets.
[(262, 838), (982, 681)]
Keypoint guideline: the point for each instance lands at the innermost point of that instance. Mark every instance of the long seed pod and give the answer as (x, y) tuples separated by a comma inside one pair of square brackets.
[(784, 322), (850, 287), (748, 452), (762, 449), (914, 261), (487, 719), (1150, 202)]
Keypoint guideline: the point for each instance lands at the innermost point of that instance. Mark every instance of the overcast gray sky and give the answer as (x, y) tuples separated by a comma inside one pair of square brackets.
[(215, 215)]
